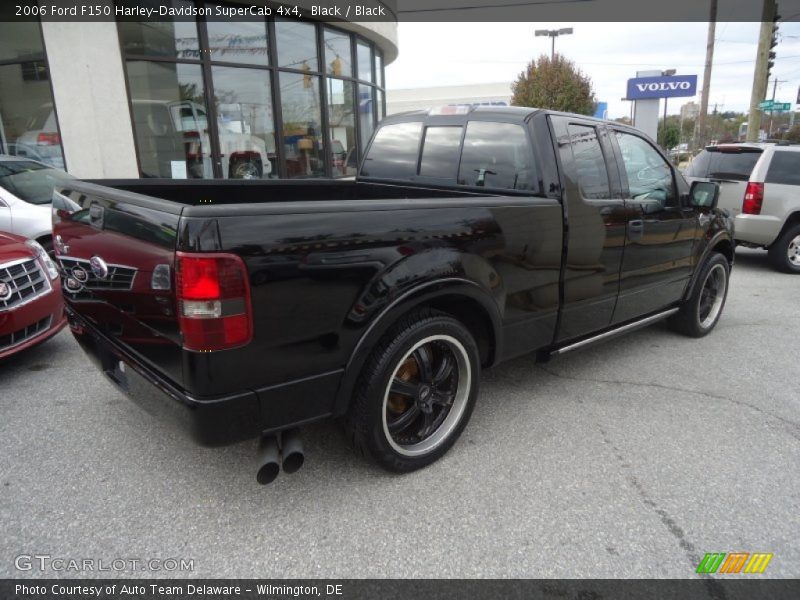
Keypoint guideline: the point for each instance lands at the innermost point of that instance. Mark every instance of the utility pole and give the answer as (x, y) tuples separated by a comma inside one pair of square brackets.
[(700, 128), (760, 76), (775, 83)]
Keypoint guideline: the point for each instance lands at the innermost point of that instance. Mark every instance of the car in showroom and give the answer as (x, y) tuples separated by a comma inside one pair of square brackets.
[(760, 186), (26, 189), (31, 305)]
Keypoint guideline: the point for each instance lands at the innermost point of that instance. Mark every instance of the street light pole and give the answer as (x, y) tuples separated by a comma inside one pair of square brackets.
[(668, 73), (553, 34)]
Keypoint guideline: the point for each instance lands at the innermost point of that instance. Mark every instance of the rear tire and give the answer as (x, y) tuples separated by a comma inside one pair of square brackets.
[(700, 313), (416, 392), (784, 253)]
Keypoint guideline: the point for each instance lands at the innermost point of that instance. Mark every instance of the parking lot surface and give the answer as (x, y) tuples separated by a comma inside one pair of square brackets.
[(628, 459)]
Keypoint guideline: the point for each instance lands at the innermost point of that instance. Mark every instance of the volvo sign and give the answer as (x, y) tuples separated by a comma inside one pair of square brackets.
[(672, 86)]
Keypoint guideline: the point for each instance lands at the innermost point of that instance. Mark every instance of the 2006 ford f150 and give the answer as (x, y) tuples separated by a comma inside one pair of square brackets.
[(245, 309)]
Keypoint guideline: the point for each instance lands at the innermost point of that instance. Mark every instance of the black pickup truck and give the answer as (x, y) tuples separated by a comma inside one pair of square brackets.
[(246, 309)]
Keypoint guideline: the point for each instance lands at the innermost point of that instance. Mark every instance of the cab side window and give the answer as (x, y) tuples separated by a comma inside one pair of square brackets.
[(649, 175), (496, 155), (590, 165)]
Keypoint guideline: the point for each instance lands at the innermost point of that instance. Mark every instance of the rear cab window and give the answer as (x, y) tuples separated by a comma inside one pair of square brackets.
[(735, 163), (394, 151)]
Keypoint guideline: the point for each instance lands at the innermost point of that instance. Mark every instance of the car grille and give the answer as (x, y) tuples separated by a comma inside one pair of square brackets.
[(119, 276), (26, 280), (23, 335)]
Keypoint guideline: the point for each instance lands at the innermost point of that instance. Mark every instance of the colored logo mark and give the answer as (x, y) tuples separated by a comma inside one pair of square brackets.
[(734, 562)]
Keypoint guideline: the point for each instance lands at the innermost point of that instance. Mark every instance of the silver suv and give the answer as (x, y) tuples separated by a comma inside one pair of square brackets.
[(760, 186)]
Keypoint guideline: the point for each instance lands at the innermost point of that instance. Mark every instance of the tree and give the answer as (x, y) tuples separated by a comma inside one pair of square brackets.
[(670, 137), (555, 84), (793, 135)]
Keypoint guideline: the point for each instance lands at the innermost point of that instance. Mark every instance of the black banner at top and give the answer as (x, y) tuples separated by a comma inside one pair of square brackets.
[(574, 11)]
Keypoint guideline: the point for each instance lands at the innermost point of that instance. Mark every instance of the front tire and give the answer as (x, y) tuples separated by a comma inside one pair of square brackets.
[(416, 392), (702, 310), (784, 254)]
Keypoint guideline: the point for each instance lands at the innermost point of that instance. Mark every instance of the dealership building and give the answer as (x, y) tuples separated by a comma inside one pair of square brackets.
[(189, 98)]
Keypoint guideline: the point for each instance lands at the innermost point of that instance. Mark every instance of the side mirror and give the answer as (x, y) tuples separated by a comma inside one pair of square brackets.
[(704, 194)]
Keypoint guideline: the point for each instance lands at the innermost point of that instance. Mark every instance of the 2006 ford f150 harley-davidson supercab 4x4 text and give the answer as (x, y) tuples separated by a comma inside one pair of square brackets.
[(245, 309)]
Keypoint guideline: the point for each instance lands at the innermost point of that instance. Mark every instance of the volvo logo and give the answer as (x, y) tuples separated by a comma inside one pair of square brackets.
[(80, 274), (5, 291), (99, 267)]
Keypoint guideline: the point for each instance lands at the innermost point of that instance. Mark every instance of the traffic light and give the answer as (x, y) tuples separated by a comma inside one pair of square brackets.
[(772, 43)]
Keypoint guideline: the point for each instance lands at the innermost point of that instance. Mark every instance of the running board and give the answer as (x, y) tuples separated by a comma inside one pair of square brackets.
[(615, 332)]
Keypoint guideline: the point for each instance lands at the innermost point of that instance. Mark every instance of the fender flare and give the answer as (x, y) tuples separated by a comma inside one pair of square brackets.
[(412, 298), (712, 243)]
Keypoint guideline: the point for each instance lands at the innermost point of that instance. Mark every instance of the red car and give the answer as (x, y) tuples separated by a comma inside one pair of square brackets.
[(31, 307)]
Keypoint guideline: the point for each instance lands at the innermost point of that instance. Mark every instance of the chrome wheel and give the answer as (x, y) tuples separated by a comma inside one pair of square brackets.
[(712, 296), (426, 395), (793, 251), (246, 170)]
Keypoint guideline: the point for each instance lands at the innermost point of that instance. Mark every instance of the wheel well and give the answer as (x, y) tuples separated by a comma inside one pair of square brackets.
[(791, 221), (474, 317), (725, 248)]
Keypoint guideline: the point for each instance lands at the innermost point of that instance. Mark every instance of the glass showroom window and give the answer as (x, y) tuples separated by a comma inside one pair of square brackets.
[(225, 75), (338, 53), (243, 106), (170, 120), (164, 38), (28, 125), (302, 131), (240, 41), (341, 124)]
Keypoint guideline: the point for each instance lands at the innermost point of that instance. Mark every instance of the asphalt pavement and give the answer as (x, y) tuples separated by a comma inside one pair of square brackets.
[(628, 459)]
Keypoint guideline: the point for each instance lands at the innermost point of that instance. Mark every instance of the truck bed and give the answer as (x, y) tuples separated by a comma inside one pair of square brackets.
[(197, 192)]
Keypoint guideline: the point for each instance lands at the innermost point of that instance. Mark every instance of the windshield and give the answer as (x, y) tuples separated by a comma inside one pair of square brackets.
[(724, 164), (31, 181)]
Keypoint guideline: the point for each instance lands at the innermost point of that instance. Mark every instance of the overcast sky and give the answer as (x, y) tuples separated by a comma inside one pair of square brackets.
[(433, 54)]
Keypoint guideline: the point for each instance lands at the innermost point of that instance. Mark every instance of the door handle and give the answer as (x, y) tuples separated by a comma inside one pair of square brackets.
[(636, 226)]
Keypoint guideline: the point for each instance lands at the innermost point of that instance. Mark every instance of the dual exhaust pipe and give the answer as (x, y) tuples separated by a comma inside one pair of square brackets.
[(271, 455)]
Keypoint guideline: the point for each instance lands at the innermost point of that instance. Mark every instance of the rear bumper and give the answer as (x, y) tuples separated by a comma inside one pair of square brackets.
[(216, 421), (757, 229), (209, 421)]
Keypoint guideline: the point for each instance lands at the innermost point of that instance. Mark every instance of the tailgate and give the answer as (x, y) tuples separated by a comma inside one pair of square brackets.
[(116, 251)]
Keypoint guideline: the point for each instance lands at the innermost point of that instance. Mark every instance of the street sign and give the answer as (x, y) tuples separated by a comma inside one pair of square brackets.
[(774, 106)]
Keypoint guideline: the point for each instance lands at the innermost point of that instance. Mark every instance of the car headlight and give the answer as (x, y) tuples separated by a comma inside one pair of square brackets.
[(44, 257)]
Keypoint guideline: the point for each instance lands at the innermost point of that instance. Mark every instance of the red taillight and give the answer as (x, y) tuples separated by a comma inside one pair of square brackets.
[(753, 198), (213, 301), (48, 139)]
